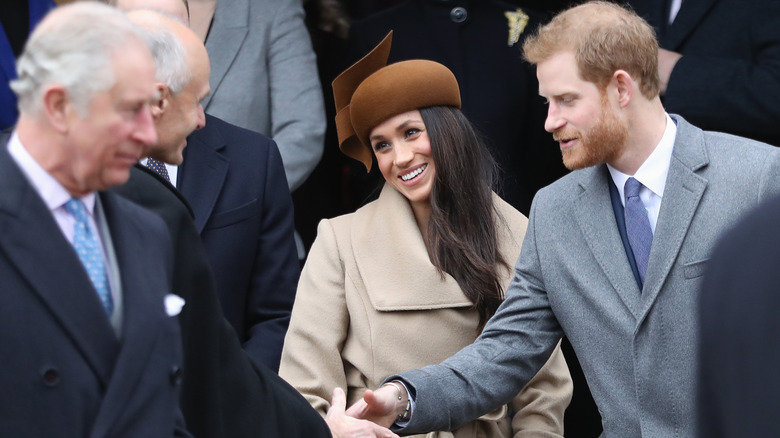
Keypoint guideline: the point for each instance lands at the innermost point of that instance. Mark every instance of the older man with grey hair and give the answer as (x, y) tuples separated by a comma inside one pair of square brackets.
[(86, 329), (234, 181), (182, 74)]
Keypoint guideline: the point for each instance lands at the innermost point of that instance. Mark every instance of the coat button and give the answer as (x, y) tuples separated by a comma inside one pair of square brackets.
[(458, 14), (175, 375), (51, 377)]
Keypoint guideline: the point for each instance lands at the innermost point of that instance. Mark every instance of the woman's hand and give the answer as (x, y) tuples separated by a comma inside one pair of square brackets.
[(381, 406), (343, 426)]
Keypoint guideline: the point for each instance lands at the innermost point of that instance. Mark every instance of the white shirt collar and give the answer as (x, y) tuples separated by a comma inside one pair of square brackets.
[(52, 192), (652, 173)]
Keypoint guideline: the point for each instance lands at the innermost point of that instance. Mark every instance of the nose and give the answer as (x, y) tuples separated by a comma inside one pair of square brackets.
[(554, 121), (403, 155), (145, 132), (201, 117)]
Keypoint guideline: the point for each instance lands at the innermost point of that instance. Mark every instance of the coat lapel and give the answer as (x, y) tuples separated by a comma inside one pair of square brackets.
[(224, 42), (593, 209), (143, 311), (393, 271), (683, 192), (34, 243), (688, 18), (203, 172)]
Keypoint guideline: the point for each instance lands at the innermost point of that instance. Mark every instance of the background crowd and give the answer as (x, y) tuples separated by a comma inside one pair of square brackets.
[(247, 159)]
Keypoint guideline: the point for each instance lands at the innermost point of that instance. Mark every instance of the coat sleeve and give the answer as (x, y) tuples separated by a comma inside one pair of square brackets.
[(311, 358), (540, 406), (297, 106)]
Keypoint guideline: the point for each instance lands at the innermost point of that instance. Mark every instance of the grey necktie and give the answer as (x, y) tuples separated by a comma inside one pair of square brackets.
[(640, 235)]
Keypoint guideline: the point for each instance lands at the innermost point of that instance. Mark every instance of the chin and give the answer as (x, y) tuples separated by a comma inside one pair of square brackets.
[(114, 178)]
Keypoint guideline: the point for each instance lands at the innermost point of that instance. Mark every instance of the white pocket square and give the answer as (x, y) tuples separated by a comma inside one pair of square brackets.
[(173, 304)]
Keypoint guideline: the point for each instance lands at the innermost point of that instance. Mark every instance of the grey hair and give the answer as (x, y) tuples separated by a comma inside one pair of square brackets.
[(73, 46), (170, 58)]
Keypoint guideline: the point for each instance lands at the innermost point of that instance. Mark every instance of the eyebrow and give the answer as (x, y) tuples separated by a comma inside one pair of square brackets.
[(400, 127)]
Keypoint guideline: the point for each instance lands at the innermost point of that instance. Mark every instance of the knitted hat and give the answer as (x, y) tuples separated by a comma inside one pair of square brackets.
[(370, 92)]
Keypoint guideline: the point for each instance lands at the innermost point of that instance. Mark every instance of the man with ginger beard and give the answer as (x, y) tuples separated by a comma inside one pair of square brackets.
[(615, 250)]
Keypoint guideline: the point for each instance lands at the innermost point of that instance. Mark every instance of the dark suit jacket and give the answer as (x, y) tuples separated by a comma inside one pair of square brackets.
[(499, 91), (740, 331), (224, 393), (65, 373), (729, 76), (234, 180)]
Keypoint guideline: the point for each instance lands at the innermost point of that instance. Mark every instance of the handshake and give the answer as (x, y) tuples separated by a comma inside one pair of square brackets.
[(369, 417)]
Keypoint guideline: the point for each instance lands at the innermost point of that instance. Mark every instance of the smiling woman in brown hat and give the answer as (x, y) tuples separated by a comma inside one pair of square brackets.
[(411, 278)]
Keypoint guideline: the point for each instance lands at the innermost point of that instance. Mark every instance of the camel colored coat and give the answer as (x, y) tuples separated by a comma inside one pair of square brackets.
[(370, 304)]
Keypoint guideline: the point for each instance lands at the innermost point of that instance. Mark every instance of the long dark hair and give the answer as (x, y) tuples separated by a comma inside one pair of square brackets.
[(462, 238)]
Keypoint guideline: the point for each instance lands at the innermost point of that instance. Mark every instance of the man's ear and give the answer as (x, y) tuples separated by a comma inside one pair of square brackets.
[(57, 107), (624, 85), (163, 101)]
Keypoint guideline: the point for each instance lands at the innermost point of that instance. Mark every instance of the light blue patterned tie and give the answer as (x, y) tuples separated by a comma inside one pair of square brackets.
[(87, 247), (640, 236), (158, 167)]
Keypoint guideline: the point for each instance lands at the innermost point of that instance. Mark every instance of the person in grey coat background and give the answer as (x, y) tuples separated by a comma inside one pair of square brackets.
[(264, 78)]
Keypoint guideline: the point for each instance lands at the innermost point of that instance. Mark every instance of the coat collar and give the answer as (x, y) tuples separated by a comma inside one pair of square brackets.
[(393, 261)]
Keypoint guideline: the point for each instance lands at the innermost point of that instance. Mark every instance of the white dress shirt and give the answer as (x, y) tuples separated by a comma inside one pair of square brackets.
[(652, 174)]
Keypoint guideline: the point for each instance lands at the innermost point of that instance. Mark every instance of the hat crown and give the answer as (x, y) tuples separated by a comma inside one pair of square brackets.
[(370, 92)]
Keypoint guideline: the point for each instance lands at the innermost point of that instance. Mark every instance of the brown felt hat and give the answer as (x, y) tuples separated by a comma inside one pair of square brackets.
[(370, 92)]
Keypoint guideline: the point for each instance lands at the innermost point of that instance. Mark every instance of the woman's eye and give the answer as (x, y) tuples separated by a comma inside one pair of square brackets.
[(379, 146), (412, 131)]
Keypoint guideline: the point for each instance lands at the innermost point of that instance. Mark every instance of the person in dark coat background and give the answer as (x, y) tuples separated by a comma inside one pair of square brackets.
[(720, 63), (739, 341)]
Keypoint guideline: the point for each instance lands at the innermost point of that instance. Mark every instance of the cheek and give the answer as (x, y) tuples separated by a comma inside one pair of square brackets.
[(385, 164)]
